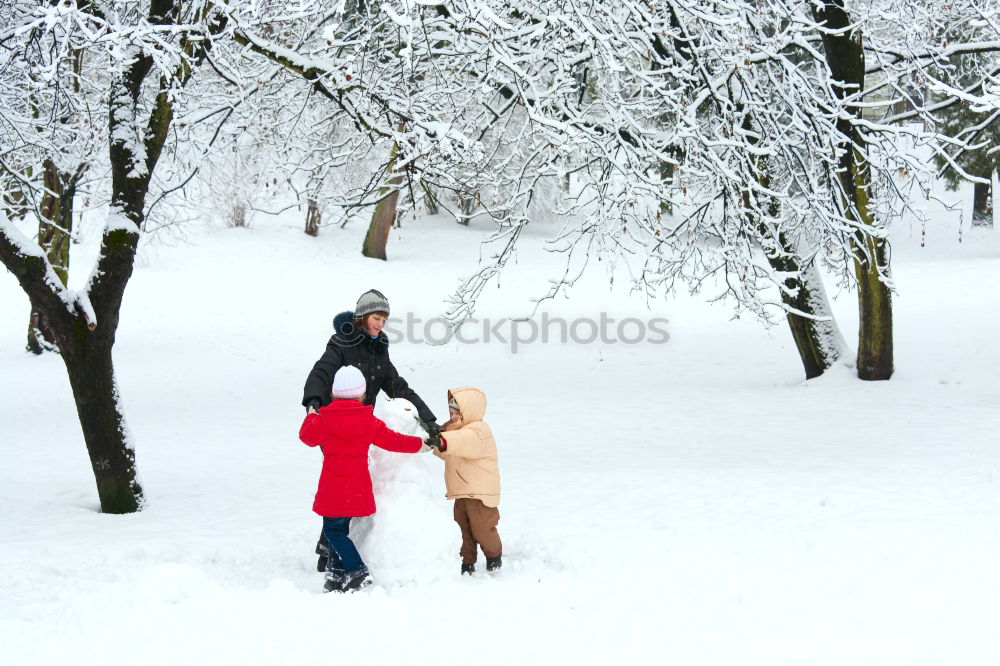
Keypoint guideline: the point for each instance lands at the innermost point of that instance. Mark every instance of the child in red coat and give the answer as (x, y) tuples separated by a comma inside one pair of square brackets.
[(345, 429)]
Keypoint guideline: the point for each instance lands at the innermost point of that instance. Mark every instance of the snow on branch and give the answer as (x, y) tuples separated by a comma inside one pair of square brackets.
[(30, 265)]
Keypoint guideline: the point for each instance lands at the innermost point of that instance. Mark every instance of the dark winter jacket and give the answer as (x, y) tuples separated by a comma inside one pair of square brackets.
[(348, 346), (346, 429)]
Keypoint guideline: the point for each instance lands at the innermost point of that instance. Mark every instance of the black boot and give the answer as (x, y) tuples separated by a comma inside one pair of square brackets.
[(493, 563), (468, 568), (334, 580), (324, 557), (323, 550), (355, 580)]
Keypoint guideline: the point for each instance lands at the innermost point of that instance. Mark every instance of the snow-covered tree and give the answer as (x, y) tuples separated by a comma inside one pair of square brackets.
[(402, 99), (979, 164), (748, 119), (972, 123), (78, 75), (699, 139), (50, 142)]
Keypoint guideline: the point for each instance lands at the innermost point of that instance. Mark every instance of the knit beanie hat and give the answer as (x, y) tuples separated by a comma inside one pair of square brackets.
[(348, 383), (369, 302)]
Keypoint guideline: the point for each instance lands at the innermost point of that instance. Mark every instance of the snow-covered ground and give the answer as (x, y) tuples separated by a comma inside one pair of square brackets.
[(691, 502)]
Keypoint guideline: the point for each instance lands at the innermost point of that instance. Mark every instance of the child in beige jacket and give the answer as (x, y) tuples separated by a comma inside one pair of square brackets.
[(472, 476)]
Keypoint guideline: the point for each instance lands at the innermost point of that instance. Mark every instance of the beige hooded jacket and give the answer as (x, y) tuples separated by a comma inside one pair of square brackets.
[(470, 459)]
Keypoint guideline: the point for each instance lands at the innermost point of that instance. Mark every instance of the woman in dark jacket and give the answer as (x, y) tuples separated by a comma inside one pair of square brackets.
[(358, 340)]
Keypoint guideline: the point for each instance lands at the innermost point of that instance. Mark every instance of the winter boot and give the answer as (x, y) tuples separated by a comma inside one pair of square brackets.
[(493, 563), (355, 580), (468, 569), (334, 580), (323, 550)]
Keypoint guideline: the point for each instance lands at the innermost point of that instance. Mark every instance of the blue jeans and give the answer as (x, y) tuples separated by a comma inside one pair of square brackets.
[(343, 554)]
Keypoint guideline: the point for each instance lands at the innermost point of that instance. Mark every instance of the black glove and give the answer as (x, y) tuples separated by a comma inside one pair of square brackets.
[(313, 404), (432, 429), (434, 442)]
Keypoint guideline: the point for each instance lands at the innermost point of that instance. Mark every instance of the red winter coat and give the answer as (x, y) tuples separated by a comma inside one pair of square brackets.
[(345, 429)]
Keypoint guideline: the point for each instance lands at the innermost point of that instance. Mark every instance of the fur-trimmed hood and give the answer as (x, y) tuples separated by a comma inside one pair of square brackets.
[(345, 330)]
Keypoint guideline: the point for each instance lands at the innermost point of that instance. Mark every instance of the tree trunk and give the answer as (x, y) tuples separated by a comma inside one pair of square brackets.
[(430, 201), (845, 57), (41, 337), (378, 231), (875, 344), (982, 199), (466, 207), (995, 187), (85, 337), (817, 337), (54, 231), (87, 357), (313, 218), (385, 214), (810, 317)]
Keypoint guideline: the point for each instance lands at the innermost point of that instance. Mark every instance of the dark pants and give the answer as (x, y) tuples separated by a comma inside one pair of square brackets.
[(478, 523), (343, 554)]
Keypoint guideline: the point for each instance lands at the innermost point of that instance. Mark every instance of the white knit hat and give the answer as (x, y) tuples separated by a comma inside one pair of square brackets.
[(348, 383), (371, 301)]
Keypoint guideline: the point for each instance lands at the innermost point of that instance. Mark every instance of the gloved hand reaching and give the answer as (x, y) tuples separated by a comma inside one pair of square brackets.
[(435, 442), (432, 429)]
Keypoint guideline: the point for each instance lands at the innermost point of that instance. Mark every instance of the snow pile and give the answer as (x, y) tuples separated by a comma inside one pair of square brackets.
[(413, 523)]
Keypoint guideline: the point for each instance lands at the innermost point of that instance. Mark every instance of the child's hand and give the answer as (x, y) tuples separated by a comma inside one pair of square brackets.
[(434, 442)]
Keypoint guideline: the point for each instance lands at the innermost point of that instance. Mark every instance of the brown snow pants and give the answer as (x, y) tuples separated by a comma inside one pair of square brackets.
[(478, 523)]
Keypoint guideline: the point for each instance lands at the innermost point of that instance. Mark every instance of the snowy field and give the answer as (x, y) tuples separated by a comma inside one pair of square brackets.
[(691, 502)]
